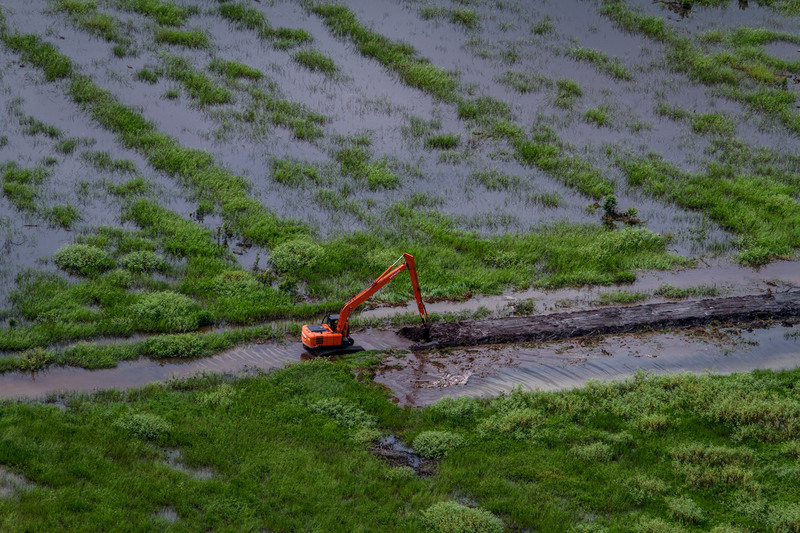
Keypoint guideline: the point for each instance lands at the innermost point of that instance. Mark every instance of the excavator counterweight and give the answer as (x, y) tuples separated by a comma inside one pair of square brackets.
[(334, 332)]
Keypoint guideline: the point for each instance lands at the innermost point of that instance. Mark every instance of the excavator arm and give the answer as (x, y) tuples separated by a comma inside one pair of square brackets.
[(335, 330), (388, 275)]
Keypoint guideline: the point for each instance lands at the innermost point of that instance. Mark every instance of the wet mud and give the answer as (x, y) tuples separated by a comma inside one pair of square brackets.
[(390, 449), (556, 326)]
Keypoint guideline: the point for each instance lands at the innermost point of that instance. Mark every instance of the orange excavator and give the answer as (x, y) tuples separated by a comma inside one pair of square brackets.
[(334, 332)]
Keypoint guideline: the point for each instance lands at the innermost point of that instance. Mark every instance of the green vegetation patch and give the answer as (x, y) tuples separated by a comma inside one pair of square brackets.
[(670, 291), (523, 82), (608, 65), (304, 123), (620, 297), (251, 18), (316, 61), (199, 86), (460, 16), (356, 162), (187, 38), (599, 116), (165, 13), (713, 123), (568, 92), (234, 69), (443, 142), (85, 15)]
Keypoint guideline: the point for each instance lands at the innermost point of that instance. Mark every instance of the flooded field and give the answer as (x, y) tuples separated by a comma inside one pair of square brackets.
[(270, 158)]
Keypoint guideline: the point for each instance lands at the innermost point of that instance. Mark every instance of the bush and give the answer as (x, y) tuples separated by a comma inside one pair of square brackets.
[(83, 259), (460, 410), (450, 517), (295, 255), (144, 425), (597, 452), (437, 444), (685, 510), (142, 261), (517, 423), (184, 346), (168, 312), (345, 415)]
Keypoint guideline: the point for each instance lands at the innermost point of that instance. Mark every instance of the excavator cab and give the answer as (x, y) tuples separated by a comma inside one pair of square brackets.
[(334, 332)]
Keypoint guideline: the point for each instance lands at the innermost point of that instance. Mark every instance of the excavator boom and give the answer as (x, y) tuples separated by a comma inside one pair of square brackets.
[(334, 332)]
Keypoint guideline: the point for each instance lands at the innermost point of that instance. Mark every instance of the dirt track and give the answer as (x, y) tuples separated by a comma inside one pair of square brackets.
[(774, 306)]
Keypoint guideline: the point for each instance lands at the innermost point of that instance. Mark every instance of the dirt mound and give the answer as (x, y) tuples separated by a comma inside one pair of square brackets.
[(607, 320)]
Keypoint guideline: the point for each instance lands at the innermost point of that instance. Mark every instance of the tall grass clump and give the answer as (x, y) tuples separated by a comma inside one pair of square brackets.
[(186, 38), (451, 517), (168, 311), (316, 61), (611, 66), (199, 86)]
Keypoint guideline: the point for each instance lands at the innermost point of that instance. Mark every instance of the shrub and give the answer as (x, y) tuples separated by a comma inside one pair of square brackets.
[(83, 259), (345, 415), (168, 311), (142, 261), (185, 346), (35, 359), (144, 425), (643, 488), (518, 423), (460, 410), (450, 517), (437, 444), (597, 452), (295, 254), (685, 510)]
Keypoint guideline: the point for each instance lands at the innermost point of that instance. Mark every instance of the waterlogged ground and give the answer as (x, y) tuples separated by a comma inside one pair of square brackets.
[(493, 167)]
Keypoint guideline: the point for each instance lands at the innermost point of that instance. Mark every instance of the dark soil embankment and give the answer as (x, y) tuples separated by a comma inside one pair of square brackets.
[(607, 320)]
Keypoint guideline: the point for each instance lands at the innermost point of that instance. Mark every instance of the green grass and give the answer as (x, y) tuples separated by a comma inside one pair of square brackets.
[(568, 93), (304, 123), (251, 18), (234, 70), (104, 161), (495, 180), (608, 65), (443, 142), (316, 61), (85, 15), (670, 291), (523, 82), (399, 57), (647, 454), (356, 162), (713, 123), (186, 38), (599, 116), (32, 126), (162, 12), (200, 86), (620, 297), (146, 75), (672, 112), (460, 16)]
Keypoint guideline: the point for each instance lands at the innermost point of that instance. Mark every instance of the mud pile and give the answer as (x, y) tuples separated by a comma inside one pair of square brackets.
[(683, 314)]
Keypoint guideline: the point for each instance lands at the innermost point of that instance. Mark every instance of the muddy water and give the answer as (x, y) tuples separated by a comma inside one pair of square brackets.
[(421, 379)]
